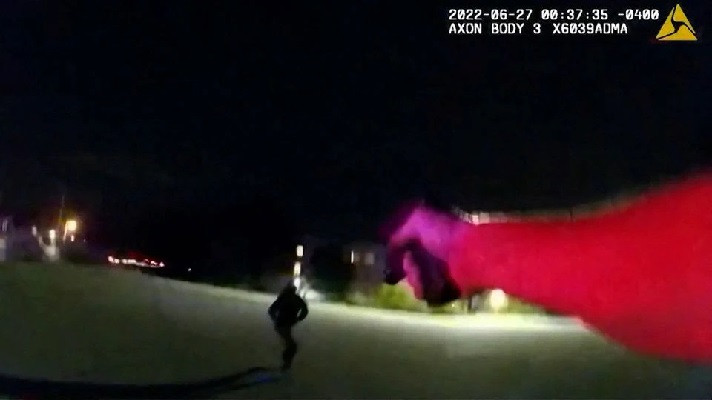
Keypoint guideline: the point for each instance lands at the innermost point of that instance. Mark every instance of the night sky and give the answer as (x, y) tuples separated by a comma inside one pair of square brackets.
[(328, 114)]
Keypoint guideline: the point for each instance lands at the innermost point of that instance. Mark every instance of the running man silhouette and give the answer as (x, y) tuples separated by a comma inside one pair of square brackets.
[(286, 311)]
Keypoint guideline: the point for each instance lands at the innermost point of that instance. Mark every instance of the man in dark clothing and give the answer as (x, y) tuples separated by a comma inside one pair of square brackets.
[(287, 311)]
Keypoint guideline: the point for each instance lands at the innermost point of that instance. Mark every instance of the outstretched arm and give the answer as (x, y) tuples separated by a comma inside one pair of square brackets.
[(641, 274)]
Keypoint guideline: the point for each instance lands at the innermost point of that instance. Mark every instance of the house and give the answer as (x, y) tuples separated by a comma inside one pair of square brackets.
[(368, 259), (369, 262), (305, 248), (6, 230)]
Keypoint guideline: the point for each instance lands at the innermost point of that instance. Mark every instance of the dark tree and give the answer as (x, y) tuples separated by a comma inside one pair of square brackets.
[(267, 235), (330, 271)]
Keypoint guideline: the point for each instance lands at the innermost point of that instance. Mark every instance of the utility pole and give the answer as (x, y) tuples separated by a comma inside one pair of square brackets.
[(61, 213)]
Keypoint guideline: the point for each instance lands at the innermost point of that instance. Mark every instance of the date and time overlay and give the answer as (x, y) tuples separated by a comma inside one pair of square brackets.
[(663, 24)]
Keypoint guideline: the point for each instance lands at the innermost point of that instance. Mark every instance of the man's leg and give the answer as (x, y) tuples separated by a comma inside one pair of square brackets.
[(290, 346)]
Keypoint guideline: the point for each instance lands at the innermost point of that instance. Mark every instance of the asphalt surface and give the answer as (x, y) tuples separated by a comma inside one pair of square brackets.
[(104, 326)]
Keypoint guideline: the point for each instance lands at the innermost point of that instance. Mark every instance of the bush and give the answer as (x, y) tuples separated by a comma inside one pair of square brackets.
[(519, 307), (455, 307), (396, 297), (330, 272), (400, 297), (29, 255), (80, 255), (514, 306), (357, 299), (26, 249)]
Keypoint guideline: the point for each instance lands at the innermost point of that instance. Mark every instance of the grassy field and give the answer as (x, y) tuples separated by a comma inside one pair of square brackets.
[(102, 325)]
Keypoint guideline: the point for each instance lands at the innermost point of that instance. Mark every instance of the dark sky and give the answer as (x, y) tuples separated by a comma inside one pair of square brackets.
[(336, 110)]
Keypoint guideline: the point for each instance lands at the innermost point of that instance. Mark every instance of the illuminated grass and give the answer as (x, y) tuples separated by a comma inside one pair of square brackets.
[(69, 322)]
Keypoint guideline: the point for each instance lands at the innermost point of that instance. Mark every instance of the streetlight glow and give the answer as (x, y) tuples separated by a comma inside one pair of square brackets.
[(70, 225), (498, 299), (297, 268), (52, 234), (300, 250)]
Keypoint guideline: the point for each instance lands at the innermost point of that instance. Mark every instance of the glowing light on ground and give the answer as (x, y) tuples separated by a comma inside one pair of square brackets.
[(498, 300)]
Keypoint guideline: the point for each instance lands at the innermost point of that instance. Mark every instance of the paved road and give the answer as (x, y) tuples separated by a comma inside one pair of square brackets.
[(111, 326)]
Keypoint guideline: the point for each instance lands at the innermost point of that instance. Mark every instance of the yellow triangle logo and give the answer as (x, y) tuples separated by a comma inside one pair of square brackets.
[(676, 27)]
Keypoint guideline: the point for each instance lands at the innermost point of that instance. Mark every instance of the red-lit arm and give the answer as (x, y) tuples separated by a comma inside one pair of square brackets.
[(641, 274)]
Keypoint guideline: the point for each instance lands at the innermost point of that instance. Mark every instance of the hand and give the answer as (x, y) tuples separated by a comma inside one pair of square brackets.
[(419, 239)]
